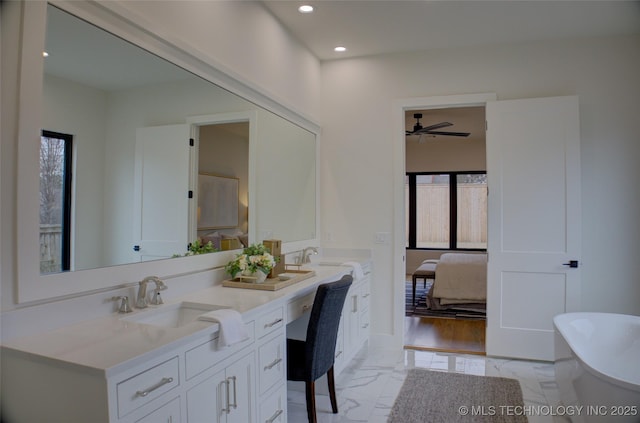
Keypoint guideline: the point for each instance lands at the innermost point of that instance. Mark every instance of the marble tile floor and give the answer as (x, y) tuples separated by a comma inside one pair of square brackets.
[(367, 389)]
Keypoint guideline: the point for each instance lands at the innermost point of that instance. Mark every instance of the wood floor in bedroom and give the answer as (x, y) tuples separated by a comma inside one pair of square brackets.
[(445, 335)]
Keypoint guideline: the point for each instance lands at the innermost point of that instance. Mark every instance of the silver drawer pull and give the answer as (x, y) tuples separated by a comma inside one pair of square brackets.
[(366, 325), (235, 393), (272, 364), (366, 295), (275, 322), (146, 392), (274, 417), (338, 355), (226, 409)]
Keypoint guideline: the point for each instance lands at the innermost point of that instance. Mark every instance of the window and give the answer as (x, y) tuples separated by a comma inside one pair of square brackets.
[(446, 210), (55, 202)]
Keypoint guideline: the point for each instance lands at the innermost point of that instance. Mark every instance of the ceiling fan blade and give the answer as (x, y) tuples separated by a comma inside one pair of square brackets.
[(435, 126), (453, 134)]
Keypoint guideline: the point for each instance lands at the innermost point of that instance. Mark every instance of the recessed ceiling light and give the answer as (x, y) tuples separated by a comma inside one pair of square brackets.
[(340, 49), (45, 54), (305, 8)]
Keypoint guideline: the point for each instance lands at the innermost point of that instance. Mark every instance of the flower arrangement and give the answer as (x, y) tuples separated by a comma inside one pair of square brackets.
[(253, 258)]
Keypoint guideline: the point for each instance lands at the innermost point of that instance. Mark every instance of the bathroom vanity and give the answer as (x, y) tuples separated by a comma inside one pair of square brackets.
[(134, 368)]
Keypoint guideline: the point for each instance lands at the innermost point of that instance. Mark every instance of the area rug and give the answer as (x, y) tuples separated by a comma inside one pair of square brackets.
[(441, 397), (421, 309)]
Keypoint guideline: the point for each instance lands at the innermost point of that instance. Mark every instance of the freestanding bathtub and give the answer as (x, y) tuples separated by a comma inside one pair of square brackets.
[(598, 366)]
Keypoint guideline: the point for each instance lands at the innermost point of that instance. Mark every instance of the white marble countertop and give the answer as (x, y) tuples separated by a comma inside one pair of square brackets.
[(111, 344)]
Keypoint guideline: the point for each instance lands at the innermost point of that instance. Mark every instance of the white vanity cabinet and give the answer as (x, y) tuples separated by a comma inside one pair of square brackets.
[(114, 371), (354, 326), (272, 366), (224, 396)]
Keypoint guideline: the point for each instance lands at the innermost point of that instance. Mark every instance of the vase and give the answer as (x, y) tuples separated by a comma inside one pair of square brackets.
[(256, 277)]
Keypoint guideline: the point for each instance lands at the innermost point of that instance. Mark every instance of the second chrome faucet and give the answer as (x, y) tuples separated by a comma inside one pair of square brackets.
[(141, 300)]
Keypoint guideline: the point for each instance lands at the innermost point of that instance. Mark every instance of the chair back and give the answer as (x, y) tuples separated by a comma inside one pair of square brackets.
[(322, 331)]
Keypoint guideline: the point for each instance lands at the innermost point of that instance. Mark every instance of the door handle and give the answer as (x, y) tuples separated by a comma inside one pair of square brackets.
[(572, 263)]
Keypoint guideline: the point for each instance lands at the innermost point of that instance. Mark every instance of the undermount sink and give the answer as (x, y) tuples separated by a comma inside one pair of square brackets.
[(172, 315)]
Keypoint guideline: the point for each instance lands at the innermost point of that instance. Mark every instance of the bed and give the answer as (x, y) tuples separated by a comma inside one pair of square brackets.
[(460, 282)]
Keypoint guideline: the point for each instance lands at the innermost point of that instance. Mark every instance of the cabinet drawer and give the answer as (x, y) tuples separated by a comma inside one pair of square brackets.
[(169, 412), (274, 408), (147, 386), (297, 308), (207, 354), (269, 322), (271, 364)]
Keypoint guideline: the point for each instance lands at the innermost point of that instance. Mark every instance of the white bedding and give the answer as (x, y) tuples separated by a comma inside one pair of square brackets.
[(461, 278)]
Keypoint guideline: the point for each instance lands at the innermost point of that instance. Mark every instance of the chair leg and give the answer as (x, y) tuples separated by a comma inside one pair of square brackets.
[(310, 390), (332, 390)]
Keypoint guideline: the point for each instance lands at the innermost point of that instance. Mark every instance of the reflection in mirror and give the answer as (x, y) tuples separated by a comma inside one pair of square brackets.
[(129, 116)]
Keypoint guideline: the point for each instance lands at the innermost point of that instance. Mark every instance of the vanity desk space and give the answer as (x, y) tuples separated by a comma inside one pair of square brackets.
[(116, 369)]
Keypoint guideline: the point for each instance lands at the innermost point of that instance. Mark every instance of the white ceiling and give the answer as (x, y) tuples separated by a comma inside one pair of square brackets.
[(369, 27), (365, 27)]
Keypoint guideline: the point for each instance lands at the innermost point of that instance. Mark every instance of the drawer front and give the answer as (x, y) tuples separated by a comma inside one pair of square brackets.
[(271, 364), (274, 408), (297, 308), (269, 322), (169, 413), (147, 386), (207, 354)]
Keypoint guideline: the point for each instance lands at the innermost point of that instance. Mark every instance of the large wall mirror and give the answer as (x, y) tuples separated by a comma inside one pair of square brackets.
[(123, 136)]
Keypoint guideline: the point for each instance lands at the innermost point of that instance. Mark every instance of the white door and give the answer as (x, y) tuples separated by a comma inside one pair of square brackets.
[(161, 201), (533, 171), (241, 392)]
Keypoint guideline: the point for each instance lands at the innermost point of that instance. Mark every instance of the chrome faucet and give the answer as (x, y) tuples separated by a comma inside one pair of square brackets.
[(141, 300), (306, 254)]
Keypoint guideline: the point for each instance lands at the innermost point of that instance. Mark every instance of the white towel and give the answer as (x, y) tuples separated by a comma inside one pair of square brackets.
[(232, 329), (357, 269)]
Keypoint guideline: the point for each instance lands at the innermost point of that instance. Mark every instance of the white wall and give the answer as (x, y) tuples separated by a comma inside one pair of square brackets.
[(357, 191), (243, 37)]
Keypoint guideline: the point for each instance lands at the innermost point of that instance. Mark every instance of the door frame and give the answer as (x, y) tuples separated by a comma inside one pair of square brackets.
[(196, 122), (399, 108)]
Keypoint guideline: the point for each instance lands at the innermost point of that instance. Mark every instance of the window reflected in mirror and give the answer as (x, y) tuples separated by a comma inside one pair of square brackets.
[(55, 201)]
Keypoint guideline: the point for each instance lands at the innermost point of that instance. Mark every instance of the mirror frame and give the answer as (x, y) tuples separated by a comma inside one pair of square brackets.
[(31, 285)]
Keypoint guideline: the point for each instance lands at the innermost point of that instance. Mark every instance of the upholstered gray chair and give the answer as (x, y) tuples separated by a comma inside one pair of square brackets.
[(310, 359)]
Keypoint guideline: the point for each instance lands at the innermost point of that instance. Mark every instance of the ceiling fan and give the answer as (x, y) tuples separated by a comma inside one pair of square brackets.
[(418, 129)]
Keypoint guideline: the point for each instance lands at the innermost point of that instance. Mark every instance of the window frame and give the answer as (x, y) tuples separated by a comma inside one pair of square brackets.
[(453, 209), (66, 196)]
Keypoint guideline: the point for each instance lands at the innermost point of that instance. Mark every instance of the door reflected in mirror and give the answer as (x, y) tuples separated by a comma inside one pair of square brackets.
[(128, 113)]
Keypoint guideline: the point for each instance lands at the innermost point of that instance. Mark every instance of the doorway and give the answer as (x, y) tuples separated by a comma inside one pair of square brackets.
[(532, 253), (402, 260), (446, 204)]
